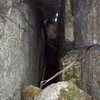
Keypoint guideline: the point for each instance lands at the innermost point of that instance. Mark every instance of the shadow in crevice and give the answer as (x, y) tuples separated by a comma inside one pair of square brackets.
[(52, 62)]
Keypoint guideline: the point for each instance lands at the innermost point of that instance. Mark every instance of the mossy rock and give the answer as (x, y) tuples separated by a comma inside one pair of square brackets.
[(73, 93), (68, 54), (30, 92), (73, 73), (63, 91), (67, 95)]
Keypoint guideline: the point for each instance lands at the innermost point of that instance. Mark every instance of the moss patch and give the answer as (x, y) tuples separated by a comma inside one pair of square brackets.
[(73, 73), (68, 54), (30, 92), (70, 74), (67, 95), (78, 83)]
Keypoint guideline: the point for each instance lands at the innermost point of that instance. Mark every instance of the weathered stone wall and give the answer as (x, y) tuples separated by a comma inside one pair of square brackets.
[(20, 47), (87, 33)]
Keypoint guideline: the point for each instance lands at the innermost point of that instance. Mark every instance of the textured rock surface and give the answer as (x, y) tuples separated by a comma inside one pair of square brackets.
[(69, 34), (87, 32), (30, 92), (73, 73), (19, 48), (63, 91), (68, 54), (67, 37)]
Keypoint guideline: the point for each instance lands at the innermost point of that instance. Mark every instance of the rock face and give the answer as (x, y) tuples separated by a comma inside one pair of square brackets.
[(69, 34), (66, 25), (63, 91), (20, 47), (67, 51), (87, 32), (73, 73)]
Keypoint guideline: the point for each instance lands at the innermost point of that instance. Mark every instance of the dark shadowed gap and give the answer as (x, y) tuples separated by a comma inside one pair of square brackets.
[(50, 19), (52, 50)]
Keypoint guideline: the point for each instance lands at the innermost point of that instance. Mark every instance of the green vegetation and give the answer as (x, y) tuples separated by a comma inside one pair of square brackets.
[(70, 74), (30, 92), (67, 94)]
